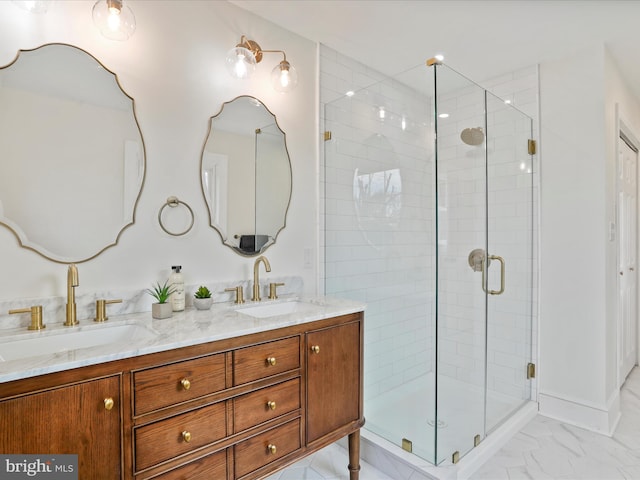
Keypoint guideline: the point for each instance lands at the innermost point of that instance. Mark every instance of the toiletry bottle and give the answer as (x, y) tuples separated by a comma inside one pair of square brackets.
[(177, 281)]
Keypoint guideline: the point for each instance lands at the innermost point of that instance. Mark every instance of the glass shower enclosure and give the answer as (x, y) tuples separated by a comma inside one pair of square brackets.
[(428, 219)]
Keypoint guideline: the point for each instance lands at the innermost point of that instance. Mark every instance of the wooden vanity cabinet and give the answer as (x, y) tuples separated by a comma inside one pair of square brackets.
[(333, 379), (82, 418), (234, 409)]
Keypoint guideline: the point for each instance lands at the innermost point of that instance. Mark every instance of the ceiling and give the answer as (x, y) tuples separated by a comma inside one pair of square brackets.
[(481, 39)]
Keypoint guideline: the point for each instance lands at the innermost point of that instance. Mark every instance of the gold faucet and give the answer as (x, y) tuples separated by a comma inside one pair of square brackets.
[(256, 281), (72, 283)]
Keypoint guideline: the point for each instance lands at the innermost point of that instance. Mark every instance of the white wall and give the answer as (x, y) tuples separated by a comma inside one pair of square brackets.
[(578, 368), (173, 66)]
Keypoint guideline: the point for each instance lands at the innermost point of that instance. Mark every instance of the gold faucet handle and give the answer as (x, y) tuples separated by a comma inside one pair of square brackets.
[(239, 293), (36, 316), (101, 309), (273, 290)]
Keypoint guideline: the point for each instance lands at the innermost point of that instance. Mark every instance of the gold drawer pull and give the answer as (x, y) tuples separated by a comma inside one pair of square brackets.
[(108, 403), (271, 405), (186, 436), (315, 349), (272, 449), (186, 384), (271, 361)]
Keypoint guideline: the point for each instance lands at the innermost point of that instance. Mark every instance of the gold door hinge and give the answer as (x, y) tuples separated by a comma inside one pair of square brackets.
[(455, 458), (327, 135), (531, 370), (531, 147), (476, 440)]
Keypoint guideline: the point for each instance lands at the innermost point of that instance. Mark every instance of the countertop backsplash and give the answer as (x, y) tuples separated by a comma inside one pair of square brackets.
[(133, 301)]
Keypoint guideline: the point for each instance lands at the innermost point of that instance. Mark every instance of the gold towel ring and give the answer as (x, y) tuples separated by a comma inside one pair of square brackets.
[(174, 202)]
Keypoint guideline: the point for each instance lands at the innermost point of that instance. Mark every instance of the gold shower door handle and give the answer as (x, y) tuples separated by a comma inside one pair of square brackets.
[(484, 284)]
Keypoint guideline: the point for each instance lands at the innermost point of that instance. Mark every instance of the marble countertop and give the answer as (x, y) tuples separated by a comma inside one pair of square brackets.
[(28, 354)]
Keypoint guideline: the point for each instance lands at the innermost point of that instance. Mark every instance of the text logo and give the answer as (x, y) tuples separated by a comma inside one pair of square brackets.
[(49, 467)]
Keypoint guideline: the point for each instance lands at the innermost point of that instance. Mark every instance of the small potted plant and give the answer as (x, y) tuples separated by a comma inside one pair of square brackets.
[(202, 300), (161, 309)]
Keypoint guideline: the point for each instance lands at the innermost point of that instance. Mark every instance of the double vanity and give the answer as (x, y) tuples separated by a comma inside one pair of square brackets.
[(235, 392)]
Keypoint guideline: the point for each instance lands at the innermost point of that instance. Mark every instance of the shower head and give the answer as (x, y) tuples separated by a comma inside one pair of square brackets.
[(472, 136)]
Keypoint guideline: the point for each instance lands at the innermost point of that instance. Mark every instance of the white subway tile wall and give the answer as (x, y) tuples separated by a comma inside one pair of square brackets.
[(379, 218)]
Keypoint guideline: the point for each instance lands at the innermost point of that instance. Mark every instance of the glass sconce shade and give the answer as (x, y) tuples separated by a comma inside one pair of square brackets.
[(284, 77), (241, 62), (242, 59), (114, 19)]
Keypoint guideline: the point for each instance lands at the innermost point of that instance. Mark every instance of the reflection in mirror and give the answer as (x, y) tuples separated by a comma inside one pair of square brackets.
[(246, 175), (72, 159)]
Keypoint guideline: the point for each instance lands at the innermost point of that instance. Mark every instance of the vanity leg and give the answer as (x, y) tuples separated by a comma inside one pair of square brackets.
[(354, 455)]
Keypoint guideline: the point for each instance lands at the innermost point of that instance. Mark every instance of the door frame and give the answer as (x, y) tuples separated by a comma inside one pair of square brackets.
[(624, 129)]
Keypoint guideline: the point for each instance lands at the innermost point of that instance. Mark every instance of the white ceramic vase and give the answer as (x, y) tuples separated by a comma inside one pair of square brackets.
[(202, 303), (161, 310)]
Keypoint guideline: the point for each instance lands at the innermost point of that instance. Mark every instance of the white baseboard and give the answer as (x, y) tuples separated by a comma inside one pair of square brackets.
[(598, 419)]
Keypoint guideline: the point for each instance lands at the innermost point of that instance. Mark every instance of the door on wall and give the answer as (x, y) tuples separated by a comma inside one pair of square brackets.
[(627, 261)]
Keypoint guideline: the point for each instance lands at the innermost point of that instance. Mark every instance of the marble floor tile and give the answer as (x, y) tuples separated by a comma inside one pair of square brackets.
[(549, 449), (330, 463), (545, 449)]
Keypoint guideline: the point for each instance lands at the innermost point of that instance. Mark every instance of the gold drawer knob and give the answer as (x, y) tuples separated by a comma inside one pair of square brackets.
[(186, 384), (315, 348), (272, 449), (108, 403), (271, 361), (271, 405), (186, 436)]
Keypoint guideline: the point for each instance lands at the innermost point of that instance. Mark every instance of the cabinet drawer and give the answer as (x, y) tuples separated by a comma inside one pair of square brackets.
[(266, 359), (256, 452), (271, 402), (211, 467), (163, 440), (163, 386)]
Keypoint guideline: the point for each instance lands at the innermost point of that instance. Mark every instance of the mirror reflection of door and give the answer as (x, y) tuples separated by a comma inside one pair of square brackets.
[(246, 175)]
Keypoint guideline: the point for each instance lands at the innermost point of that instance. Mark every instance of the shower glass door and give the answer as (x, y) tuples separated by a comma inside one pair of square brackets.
[(510, 236), (484, 261)]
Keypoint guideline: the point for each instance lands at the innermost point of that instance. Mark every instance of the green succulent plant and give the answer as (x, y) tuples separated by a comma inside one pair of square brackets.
[(202, 292), (161, 292)]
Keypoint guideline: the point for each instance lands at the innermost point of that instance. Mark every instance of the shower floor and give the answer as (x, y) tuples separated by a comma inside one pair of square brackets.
[(408, 412)]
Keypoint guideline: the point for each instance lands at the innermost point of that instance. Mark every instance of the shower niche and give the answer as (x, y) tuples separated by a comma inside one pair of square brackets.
[(429, 214)]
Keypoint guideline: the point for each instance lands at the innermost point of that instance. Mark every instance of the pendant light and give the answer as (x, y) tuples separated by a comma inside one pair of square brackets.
[(114, 19)]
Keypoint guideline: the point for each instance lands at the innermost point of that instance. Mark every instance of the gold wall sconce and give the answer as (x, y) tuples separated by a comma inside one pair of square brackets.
[(242, 59), (114, 20)]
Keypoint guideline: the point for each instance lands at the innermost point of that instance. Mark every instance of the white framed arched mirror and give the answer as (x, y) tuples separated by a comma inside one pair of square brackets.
[(72, 156), (245, 173)]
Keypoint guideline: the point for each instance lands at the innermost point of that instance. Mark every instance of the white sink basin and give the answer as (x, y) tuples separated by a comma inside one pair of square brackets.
[(273, 309), (63, 341)]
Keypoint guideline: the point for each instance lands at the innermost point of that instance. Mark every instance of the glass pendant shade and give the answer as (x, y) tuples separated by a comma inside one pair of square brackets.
[(114, 19), (241, 62), (284, 77)]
